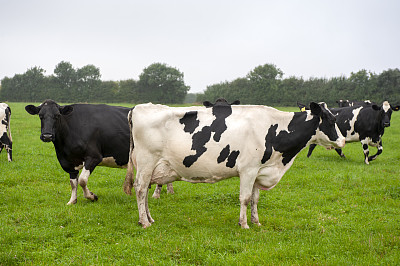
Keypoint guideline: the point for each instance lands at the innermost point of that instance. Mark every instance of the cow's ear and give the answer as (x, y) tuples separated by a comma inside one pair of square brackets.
[(66, 110), (207, 104), (395, 108), (315, 109), (376, 107), (302, 107), (237, 102), (31, 109)]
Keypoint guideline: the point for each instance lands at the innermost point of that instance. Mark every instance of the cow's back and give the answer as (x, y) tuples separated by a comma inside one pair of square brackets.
[(196, 141), (100, 128)]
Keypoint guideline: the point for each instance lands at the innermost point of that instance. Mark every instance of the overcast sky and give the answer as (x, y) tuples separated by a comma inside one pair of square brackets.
[(210, 41)]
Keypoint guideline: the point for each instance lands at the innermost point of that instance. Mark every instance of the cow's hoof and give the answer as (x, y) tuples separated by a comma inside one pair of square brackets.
[(244, 226), (145, 225), (72, 202), (156, 196), (95, 198)]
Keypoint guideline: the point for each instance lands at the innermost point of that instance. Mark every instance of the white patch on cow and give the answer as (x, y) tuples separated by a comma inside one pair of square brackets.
[(79, 167), (309, 116), (386, 106), (349, 136)]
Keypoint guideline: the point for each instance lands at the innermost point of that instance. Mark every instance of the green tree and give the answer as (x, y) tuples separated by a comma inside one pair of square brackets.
[(160, 83), (388, 83), (88, 82), (65, 82), (264, 84)]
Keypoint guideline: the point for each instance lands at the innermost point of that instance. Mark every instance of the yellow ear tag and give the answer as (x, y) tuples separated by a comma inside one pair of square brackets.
[(303, 109)]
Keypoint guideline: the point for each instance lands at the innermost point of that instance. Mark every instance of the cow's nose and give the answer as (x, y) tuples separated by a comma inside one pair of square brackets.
[(387, 124), (46, 137)]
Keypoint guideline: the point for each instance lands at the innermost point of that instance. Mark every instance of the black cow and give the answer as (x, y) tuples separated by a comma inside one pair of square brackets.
[(347, 103), (5, 130), (362, 123), (84, 136)]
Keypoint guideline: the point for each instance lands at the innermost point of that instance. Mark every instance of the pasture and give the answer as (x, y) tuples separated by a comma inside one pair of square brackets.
[(325, 210)]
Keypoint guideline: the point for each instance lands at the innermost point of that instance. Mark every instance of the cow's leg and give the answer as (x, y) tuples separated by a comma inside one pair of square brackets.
[(73, 180), (246, 191), (170, 188), (157, 192), (310, 149), (340, 152), (141, 185), (380, 149), (255, 196), (366, 151), (83, 179), (128, 183), (6, 143)]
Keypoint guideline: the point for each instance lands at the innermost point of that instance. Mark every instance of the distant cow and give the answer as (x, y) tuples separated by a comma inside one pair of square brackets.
[(347, 103), (362, 123), (84, 136), (5, 130), (207, 145)]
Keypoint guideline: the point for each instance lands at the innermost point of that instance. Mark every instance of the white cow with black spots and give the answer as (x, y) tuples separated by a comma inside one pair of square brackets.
[(207, 145)]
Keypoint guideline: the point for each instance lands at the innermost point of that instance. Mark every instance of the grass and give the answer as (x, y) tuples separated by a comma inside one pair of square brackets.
[(325, 210)]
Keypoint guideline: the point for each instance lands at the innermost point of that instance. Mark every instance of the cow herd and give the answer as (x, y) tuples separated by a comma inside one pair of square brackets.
[(198, 144)]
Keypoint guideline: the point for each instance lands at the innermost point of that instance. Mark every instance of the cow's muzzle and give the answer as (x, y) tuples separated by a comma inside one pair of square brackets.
[(46, 137), (386, 124)]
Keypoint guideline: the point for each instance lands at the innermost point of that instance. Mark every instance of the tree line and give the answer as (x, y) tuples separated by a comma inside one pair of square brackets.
[(157, 83), (265, 85), (160, 83)]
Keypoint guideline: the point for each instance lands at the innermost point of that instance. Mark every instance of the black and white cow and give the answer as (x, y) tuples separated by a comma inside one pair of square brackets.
[(347, 103), (84, 136), (5, 130), (207, 145), (362, 123)]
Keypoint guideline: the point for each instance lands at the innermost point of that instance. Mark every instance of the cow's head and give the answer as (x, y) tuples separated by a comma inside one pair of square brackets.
[(385, 112), (50, 114), (328, 134)]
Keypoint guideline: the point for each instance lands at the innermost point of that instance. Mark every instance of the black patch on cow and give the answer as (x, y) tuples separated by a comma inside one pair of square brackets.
[(292, 142), (232, 159), (221, 112), (190, 121), (269, 138), (226, 154), (200, 139), (365, 146), (223, 154)]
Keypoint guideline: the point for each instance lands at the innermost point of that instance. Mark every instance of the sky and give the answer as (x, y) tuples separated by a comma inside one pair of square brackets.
[(209, 41)]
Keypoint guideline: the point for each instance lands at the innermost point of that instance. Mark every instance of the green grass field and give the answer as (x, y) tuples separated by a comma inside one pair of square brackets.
[(325, 210)]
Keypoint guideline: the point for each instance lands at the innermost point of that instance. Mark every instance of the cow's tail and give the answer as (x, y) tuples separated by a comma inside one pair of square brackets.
[(128, 184)]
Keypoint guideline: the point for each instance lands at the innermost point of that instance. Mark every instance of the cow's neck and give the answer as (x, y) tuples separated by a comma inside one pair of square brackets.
[(299, 133), (61, 133)]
